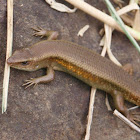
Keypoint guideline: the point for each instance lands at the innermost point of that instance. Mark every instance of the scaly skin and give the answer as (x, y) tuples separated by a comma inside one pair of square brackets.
[(82, 63)]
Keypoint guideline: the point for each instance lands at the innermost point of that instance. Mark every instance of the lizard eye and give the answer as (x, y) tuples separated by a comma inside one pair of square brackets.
[(25, 63)]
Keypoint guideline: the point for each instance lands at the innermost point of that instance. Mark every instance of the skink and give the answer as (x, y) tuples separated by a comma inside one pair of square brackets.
[(83, 64)]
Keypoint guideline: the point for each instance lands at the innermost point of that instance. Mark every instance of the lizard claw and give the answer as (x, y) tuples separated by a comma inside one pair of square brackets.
[(39, 32), (51, 35), (30, 83), (134, 118)]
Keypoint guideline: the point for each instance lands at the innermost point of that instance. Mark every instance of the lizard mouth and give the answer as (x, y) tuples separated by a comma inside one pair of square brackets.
[(10, 61)]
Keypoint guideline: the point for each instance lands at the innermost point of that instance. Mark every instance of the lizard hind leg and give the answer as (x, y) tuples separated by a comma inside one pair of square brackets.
[(119, 103), (128, 68), (120, 106), (136, 118)]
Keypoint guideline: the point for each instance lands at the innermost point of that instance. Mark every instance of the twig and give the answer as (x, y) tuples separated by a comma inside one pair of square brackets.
[(107, 103), (108, 36), (60, 7), (106, 40), (102, 16), (127, 9), (83, 30), (132, 108), (128, 122), (8, 53), (90, 113)]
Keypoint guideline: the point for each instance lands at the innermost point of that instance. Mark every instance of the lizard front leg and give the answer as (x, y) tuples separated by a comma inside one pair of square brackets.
[(51, 35), (43, 79)]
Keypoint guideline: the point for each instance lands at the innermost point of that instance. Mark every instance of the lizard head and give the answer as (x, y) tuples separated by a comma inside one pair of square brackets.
[(24, 60)]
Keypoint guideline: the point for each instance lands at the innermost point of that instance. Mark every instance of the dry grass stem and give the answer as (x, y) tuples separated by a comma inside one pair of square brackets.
[(83, 30), (60, 7), (8, 53), (136, 24), (101, 16), (128, 122), (107, 103), (90, 113), (108, 36), (127, 9), (132, 108)]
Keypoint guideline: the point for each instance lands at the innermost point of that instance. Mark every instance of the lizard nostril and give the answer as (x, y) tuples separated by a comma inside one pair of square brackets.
[(9, 61)]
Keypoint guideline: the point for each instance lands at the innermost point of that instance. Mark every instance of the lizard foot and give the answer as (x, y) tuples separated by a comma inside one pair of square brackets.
[(51, 35), (30, 83), (134, 117), (39, 32)]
